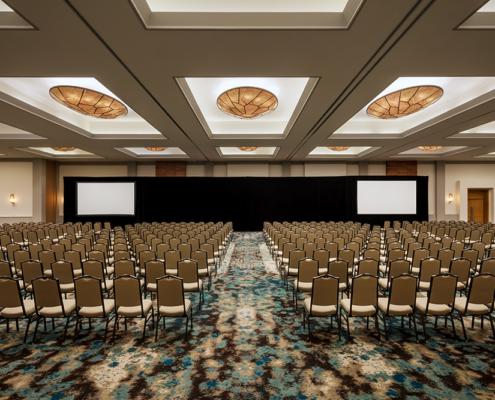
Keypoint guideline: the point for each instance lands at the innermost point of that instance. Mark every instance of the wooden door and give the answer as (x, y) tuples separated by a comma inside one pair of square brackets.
[(478, 205)]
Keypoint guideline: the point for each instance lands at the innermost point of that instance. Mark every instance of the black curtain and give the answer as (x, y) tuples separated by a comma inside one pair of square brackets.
[(247, 202)]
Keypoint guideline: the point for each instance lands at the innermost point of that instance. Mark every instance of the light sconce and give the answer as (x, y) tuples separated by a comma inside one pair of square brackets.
[(451, 197), (12, 199)]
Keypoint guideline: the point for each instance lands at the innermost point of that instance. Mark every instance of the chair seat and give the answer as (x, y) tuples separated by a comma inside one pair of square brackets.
[(472, 309), (110, 270), (383, 259), (52, 312), (415, 271), (444, 270), (424, 286), (291, 271), (193, 287), (212, 261), (393, 309), (303, 286), (322, 271), (357, 311), (204, 271), (93, 312), (320, 311), (285, 261), (175, 311), (383, 269), (77, 272), (279, 253), (171, 272), (16, 312), (151, 287), (136, 310), (342, 286), (434, 309), (109, 283), (383, 282), (67, 287)]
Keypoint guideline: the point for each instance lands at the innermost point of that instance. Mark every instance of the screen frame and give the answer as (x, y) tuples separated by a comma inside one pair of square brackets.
[(134, 183)]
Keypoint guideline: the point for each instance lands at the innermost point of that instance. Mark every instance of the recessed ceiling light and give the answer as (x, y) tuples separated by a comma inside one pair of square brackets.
[(248, 148), (88, 102), (429, 148), (404, 102), (156, 148), (247, 102), (339, 148), (64, 148)]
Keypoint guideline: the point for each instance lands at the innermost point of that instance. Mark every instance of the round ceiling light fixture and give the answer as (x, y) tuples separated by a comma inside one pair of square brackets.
[(429, 148), (64, 149), (88, 102), (339, 148), (247, 102), (248, 148), (404, 102), (156, 148)]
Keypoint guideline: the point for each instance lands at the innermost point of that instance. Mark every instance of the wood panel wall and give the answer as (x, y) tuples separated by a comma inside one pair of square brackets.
[(402, 168), (51, 191), (170, 168)]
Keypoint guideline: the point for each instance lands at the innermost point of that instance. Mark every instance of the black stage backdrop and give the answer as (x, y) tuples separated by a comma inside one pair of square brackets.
[(247, 202)]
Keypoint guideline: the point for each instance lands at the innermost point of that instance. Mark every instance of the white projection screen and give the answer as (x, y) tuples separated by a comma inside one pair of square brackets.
[(105, 198), (386, 197)]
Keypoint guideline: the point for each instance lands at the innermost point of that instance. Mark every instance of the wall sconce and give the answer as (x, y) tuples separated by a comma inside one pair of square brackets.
[(451, 197), (12, 199)]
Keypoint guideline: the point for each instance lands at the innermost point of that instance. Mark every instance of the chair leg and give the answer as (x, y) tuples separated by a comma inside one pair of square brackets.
[(66, 327), (453, 327), (424, 326), (436, 319), (17, 324), (339, 323), (385, 326), (377, 326), (463, 328), (76, 332), (187, 325), (115, 326), (36, 328), (157, 323), (472, 322), (491, 323), (144, 329), (415, 327), (27, 328), (125, 322), (106, 330)]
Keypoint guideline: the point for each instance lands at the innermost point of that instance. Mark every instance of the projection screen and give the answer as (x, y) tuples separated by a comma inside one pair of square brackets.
[(386, 197), (106, 198)]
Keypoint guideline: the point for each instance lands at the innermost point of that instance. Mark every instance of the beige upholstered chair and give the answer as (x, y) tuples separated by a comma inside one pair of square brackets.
[(291, 269), (396, 267), (49, 303), (172, 257), (171, 302), (63, 271), (402, 299), (154, 269), (429, 267), (204, 269), (323, 257), (12, 305), (460, 267), (488, 266), (445, 256), (31, 269), (419, 254), (339, 269), (363, 301), (129, 304), (188, 270), (324, 300), (185, 250), (440, 300), (95, 268), (90, 302), (75, 258), (367, 266), (307, 269)]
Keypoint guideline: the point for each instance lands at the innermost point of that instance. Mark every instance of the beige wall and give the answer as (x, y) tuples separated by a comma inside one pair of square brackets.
[(195, 170), (17, 179), (146, 170), (92, 170), (260, 169), (325, 169), (429, 170), (378, 169)]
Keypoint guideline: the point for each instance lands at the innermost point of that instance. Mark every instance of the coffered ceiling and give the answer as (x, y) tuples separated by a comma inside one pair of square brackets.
[(326, 62)]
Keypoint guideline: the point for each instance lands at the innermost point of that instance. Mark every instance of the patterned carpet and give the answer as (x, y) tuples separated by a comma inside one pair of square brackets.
[(247, 343)]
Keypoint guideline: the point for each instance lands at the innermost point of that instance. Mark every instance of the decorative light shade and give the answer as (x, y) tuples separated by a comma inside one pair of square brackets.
[(404, 102), (429, 148), (64, 148), (88, 102), (451, 197), (12, 199), (337, 148), (248, 148), (247, 102), (156, 148)]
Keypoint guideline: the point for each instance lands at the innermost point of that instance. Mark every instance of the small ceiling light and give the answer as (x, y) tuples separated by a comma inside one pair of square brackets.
[(339, 148), (451, 197), (404, 102), (429, 148), (248, 148), (12, 199), (65, 149), (88, 102), (247, 102), (156, 148)]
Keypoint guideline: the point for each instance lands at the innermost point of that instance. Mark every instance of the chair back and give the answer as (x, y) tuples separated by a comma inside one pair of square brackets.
[(325, 291), (460, 268), (145, 255), (127, 292), (347, 255), (488, 266), (307, 270), (31, 269), (19, 257), (480, 248), (154, 269), (188, 271), (174, 242), (185, 250), (201, 257), (74, 257), (419, 254), (5, 269), (445, 256), (373, 254), (62, 270), (399, 267), (339, 269), (120, 254), (309, 248), (471, 255), (94, 268), (59, 250), (323, 257), (429, 267), (47, 293), (170, 292), (403, 290), (442, 289), (124, 266), (333, 248), (294, 256), (34, 250), (368, 266), (482, 290), (10, 293), (172, 257), (364, 290)]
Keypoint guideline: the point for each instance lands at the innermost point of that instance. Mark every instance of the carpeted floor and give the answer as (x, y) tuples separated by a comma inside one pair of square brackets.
[(248, 343)]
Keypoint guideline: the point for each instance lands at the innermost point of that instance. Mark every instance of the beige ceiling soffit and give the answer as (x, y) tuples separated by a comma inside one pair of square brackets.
[(65, 156), (306, 94), (343, 157), (151, 156), (248, 156), (432, 154), (479, 20), (64, 124), (245, 20), (484, 98)]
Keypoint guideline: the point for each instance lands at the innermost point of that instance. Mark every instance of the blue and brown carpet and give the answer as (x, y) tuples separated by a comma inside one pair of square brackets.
[(248, 343)]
